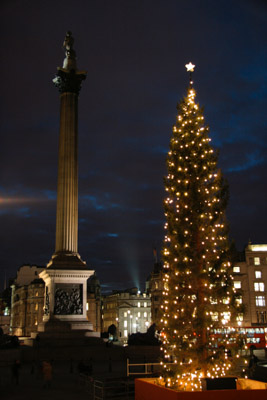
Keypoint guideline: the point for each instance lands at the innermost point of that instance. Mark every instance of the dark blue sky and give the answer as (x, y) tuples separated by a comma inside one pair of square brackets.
[(134, 52)]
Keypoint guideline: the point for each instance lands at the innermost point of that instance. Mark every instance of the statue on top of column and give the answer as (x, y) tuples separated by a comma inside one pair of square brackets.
[(69, 62)]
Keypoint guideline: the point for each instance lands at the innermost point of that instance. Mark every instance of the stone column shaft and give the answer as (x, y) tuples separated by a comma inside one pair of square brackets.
[(67, 190)]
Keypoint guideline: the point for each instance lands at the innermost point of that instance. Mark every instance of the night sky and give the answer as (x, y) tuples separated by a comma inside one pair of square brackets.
[(134, 53)]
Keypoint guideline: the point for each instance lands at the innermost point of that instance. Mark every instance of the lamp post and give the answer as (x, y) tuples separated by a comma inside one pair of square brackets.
[(131, 318)]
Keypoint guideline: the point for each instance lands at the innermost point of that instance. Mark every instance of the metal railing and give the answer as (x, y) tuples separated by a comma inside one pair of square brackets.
[(114, 389), (143, 368)]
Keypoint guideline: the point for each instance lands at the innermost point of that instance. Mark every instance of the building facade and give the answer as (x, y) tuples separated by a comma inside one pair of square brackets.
[(93, 305), (129, 311), (154, 287), (5, 311), (27, 301), (250, 275)]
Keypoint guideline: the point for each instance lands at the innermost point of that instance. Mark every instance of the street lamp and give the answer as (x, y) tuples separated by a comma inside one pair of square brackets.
[(131, 317)]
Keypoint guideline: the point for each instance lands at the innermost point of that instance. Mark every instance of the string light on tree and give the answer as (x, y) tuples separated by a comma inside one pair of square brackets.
[(199, 299)]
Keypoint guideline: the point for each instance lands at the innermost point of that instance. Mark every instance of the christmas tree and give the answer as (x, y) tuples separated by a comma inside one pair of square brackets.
[(200, 306)]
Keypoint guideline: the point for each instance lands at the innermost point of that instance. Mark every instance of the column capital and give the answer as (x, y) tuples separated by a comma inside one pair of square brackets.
[(69, 81)]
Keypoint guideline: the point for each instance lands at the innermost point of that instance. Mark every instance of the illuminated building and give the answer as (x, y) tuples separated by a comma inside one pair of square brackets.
[(128, 310), (250, 275), (27, 301)]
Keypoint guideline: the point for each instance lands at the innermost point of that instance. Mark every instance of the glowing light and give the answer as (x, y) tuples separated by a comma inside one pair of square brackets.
[(190, 67), (257, 247)]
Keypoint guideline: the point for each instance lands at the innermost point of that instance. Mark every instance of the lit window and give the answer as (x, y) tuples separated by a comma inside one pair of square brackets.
[(87, 306), (258, 274), (36, 294), (125, 324), (256, 260), (138, 304), (215, 316), (213, 301), (237, 284), (36, 306), (144, 294), (6, 312), (240, 317), (139, 314), (226, 300), (226, 317), (238, 300), (260, 301), (259, 286), (125, 332), (236, 269), (145, 304), (125, 314), (145, 314)]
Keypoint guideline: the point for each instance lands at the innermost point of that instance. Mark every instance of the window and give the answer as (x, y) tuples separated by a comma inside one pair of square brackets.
[(215, 316), (258, 274), (6, 312), (139, 314), (138, 304), (145, 314), (256, 260), (36, 306), (226, 300), (238, 300), (125, 332), (240, 317), (260, 301), (226, 317), (125, 324), (87, 306), (259, 286), (261, 317), (145, 304), (125, 314), (237, 284), (236, 269)]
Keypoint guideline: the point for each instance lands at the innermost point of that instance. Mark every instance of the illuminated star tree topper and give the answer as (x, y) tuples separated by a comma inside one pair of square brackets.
[(190, 68)]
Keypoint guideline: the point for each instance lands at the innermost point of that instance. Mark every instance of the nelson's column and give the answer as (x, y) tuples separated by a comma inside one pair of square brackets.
[(66, 274)]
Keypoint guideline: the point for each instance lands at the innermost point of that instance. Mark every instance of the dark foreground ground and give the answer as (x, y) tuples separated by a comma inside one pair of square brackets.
[(108, 365), (64, 385)]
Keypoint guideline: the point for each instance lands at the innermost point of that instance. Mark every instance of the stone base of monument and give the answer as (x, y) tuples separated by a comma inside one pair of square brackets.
[(64, 333), (57, 326)]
